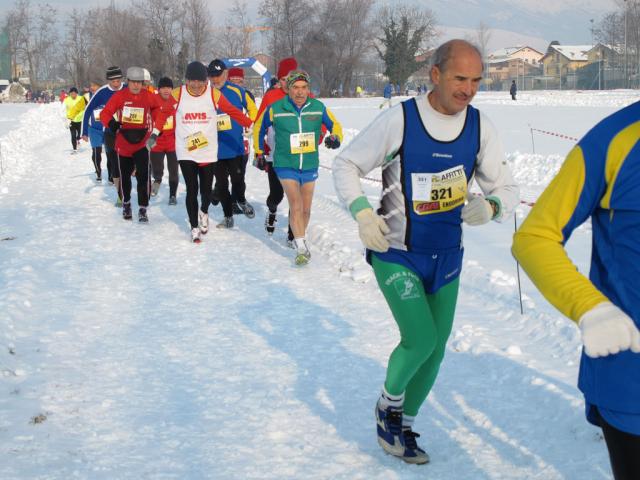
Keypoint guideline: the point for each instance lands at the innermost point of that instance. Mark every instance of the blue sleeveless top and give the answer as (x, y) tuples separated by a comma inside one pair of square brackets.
[(435, 176)]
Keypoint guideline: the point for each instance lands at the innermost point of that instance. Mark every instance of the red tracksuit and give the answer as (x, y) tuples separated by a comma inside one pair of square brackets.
[(136, 112), (167, 139)]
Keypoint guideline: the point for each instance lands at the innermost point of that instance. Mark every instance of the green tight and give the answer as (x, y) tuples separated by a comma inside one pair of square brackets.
[(425, 322)]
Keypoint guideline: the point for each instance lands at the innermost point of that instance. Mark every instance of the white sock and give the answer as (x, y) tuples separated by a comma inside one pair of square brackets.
[(407, 422), (388, 400), (300, 244)]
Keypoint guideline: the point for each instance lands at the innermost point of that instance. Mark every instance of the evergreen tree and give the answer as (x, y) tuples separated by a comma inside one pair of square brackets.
[(405, 31)]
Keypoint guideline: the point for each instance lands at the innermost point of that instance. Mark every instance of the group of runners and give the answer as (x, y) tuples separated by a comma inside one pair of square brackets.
[(430, 148), (204, 129)]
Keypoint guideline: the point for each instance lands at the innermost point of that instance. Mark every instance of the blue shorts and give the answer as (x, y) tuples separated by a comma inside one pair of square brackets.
[(435, 270), (96, 137), (300, 176)]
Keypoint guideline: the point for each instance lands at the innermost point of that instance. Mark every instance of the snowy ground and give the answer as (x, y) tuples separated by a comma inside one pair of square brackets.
[(126, 352)]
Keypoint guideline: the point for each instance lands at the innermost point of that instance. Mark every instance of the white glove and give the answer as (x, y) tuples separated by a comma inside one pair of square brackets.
[(372, 229), (607, 330), (477, 211)]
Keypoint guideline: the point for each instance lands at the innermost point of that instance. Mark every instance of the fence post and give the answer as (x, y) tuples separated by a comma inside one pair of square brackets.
[(533, 145)]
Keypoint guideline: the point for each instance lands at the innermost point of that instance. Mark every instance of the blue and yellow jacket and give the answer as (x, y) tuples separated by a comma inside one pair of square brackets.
[(600, 179), (230, 139)]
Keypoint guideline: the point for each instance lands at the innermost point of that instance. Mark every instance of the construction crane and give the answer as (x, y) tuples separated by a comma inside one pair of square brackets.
[(247, 31)]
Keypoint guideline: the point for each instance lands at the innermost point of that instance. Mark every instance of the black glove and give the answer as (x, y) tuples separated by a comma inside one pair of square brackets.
[(260, 162), (152, 140), (332, 142), (114, 125)]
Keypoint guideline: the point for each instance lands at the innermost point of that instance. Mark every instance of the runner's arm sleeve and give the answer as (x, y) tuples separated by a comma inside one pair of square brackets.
[(227, 107), (159, 112), (260, 128), (492, 173), (251, 107), (264, 103), (373, 147), (112, 106), (539, 243), (333, 125), (88, 112)]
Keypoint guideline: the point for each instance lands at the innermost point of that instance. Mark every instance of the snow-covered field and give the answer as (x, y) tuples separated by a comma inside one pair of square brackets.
[(126, 352)]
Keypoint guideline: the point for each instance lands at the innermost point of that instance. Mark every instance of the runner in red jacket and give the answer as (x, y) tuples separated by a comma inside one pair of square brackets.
[(166, 145), (137, 116)]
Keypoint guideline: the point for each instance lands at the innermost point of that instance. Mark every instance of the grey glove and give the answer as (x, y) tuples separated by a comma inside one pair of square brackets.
[(152, 140)]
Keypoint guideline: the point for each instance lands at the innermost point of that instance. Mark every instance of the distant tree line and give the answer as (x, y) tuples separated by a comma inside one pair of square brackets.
[(335, 40), (620, 30)]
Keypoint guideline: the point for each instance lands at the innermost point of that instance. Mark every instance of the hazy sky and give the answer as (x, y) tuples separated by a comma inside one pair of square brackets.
[(567, 21)]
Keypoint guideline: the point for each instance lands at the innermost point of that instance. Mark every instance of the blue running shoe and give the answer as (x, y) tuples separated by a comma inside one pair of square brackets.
[(412, 452), (389, 424)]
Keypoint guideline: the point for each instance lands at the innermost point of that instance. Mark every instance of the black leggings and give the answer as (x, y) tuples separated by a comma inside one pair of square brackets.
[(624, 451), (276, 193), (75, 129), (96, 158), (157, 165), (235, 197), (140, 161), (192, 172), (231, 167), (112, 156)]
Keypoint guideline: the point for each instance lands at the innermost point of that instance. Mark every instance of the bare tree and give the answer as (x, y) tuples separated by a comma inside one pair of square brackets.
[(235, 39), (481, 39), (77, 48), (610, 30), (337, 42), (197, 28), (13, 26), (32, 38), (288, 21), (162, 32)]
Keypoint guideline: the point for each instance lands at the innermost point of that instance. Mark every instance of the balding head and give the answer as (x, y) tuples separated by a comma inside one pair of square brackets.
[(445, 52), (456, 74)]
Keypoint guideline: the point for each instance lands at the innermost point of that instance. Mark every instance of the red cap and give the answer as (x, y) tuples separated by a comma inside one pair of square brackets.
[(236, 72), (286, 66)]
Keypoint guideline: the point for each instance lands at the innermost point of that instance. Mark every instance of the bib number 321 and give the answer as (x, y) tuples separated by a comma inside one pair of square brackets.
[(438, 192)]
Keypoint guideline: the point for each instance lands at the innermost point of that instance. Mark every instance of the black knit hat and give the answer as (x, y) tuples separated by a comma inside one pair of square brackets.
[(216, 67), (196, 71), (73, 89), (113, 72), (165, 82)]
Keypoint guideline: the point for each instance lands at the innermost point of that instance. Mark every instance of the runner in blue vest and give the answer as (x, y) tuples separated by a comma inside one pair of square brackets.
[(598, 181), (430, 147)]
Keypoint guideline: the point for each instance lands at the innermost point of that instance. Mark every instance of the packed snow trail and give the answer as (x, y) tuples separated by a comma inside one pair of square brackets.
[(128, 352)]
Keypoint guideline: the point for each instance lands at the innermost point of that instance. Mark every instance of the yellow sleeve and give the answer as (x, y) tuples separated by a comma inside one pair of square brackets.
[(538, 243), (68, 107), (257, 124), (251, 107), (175, 93), (337, 127)]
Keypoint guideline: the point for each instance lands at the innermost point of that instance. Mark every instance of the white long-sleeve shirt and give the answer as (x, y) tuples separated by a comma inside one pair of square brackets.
[(378, 145)]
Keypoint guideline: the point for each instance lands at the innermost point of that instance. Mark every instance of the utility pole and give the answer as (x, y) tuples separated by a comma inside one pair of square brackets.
[(626, 68)]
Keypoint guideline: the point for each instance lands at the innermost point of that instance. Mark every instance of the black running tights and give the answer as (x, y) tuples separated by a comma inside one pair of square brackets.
[(140, 161), (624, 451), (193, 174)]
